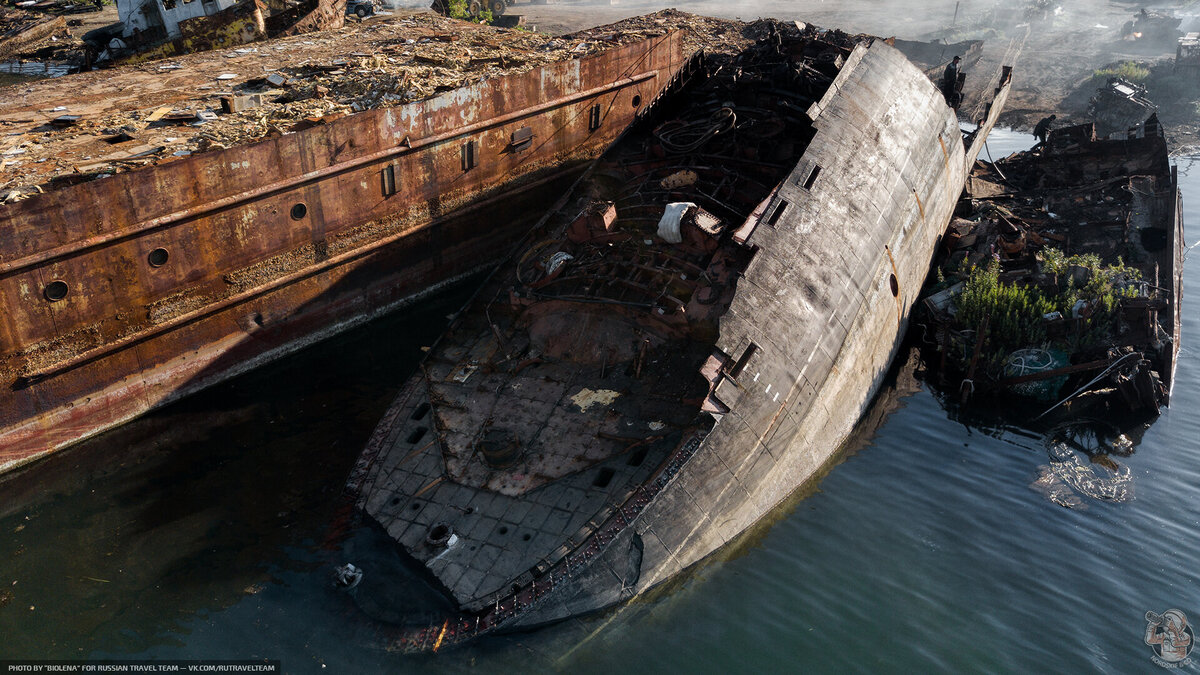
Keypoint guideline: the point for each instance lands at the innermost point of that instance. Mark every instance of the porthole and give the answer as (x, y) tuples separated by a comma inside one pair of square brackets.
[(158, 257), (299, 210), (637, 100), (895, 286), (56, 290)]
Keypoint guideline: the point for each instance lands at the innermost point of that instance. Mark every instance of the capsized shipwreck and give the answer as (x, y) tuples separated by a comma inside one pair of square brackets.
[(681, 344), (1062, 281), (123, 292)]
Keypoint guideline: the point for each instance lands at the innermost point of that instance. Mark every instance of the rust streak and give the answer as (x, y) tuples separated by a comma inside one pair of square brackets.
[(432, 484)]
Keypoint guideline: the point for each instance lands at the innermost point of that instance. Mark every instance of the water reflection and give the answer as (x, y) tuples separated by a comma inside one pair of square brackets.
[(119, 545), (1081, 464)]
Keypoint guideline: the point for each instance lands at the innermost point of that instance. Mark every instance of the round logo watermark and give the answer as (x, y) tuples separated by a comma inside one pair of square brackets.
[(1171, 638)]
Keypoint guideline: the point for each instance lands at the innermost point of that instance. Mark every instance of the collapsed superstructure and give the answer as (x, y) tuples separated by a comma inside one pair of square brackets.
[(683, 342), (1066, 277)]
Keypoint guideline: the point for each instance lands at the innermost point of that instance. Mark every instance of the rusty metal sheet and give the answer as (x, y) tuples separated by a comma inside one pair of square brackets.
[(236, 248)]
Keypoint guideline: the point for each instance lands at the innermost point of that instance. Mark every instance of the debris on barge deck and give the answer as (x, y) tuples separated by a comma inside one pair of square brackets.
[(1065, 277), (64, 131)]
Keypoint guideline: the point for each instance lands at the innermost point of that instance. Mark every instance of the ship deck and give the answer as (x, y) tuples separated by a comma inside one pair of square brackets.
[(66, 130), (577, 374)]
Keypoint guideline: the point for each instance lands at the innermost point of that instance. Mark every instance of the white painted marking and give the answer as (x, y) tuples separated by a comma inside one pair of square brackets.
[(756, 377)]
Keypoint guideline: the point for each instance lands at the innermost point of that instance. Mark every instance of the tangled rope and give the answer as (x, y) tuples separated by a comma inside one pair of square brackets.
[(682, 137)]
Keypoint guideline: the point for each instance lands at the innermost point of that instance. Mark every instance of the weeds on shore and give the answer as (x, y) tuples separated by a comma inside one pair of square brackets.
[(459, 9), (1130, 71)]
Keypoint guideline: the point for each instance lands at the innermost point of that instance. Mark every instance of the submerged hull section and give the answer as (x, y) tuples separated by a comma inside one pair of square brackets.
[(127, 292), (799, 306)]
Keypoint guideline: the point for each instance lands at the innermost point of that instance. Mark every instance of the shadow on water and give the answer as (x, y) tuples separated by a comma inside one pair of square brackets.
[(155, 540), (117, 543)]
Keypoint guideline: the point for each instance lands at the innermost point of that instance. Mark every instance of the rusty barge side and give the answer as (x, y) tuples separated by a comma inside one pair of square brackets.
[(124, 293)]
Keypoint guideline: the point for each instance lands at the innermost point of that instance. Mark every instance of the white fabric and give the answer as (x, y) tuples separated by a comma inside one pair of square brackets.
[(668, 225)]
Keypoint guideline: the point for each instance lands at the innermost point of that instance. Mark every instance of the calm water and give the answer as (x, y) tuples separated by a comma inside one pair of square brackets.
[(198, 532)]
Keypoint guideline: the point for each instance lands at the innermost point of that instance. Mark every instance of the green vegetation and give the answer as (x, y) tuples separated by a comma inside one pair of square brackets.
[(1126, 70), (1016, 313), (1054, 261), (459, 9)]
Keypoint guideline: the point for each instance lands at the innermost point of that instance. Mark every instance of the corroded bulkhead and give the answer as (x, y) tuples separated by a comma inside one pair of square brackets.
[(682, 345), (126, 292)]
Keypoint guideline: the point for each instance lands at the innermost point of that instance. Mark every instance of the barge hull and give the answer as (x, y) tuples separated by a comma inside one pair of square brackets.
[(178, 276)]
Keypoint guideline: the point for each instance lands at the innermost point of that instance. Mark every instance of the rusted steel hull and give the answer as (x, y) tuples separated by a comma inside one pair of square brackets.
[(177, 276)]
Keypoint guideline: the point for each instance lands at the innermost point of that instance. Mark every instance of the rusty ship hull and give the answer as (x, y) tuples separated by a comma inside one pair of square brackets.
[(124, 293), (620, 401)]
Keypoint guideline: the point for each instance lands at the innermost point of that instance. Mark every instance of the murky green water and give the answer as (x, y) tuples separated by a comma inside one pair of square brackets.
[(198, 532)]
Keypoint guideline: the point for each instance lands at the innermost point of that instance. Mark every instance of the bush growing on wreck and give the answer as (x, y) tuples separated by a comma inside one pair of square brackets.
[(1016, 312), (1105, 284)]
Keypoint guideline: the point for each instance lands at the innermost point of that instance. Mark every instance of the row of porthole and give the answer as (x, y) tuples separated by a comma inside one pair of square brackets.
[(57, 290)]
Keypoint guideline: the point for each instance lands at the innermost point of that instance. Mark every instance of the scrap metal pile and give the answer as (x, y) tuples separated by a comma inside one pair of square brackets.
[(1064, 274), (20, 29), (26, 35), (89, 125)]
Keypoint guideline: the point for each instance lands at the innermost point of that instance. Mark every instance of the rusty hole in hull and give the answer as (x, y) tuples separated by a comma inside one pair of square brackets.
[(56, 290), (439, 535), (158, 257), (299, 210)]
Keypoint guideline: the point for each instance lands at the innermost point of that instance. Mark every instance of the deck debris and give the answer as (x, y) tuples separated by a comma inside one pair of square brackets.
[(300, 81)]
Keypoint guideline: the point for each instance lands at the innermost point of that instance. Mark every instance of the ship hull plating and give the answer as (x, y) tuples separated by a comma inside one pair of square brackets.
[(124, 293), (825, 316)]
